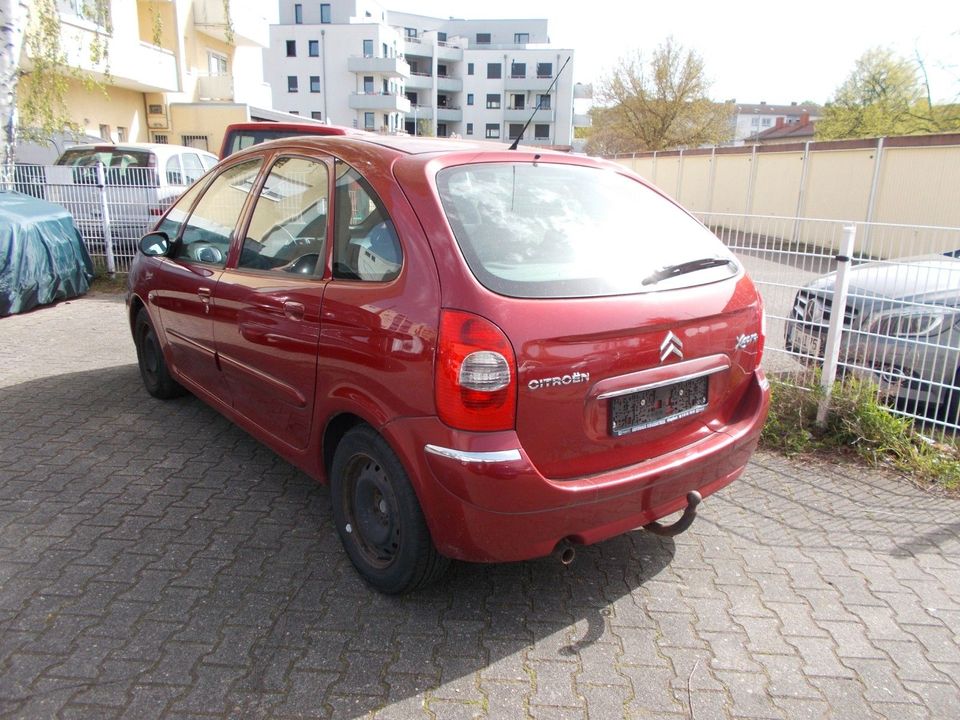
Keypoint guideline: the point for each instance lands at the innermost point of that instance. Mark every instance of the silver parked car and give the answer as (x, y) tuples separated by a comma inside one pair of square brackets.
[(901, 329)]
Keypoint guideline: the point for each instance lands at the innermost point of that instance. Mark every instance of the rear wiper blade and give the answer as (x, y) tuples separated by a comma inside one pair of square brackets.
[(669, 271)]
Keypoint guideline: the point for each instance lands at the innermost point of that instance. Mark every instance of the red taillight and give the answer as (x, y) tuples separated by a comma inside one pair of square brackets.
[(476, 378)]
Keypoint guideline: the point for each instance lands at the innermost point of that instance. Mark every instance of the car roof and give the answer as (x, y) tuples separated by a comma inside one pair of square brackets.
[(158, 148)]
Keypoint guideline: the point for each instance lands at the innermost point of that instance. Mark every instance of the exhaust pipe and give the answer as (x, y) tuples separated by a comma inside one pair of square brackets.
[(565, 552), (686, 520)]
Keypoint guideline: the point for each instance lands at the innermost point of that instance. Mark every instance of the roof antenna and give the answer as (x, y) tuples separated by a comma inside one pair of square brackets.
[(519, 137)]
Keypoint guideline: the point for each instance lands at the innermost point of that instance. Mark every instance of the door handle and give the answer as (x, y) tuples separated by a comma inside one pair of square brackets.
[(204, 294), (293, 310)]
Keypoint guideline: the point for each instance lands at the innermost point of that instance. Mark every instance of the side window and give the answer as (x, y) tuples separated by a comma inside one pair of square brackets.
[(177, 215), (208, 161), (365, 242), (288, 228), (205, 236), (174, 172), (192, 169)]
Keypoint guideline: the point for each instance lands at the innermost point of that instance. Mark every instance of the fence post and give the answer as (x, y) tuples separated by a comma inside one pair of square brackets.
[(802, 191), (831, 355), (105, 217)]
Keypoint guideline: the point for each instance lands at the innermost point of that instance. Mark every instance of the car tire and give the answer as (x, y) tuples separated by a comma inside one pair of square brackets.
[(378, 516), (153, 367)]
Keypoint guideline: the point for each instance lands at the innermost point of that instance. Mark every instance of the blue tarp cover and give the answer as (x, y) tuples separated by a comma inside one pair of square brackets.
[(42, 256)]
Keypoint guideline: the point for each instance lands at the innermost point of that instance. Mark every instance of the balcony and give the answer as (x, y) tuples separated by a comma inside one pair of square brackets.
[(248, 24), (417, 47), (446, 83), (395, 67), (582, 120), (527, 83), (215, 87), (445, 51), (420, 112), (521, 115), (383, 102), (419, 81), (449, 114)]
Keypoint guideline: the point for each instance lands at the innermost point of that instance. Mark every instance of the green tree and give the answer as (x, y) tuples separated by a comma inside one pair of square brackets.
[(879, 97), (657, 105), (885, 94)]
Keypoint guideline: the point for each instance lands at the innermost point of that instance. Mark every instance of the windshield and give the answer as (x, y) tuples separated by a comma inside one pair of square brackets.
[(550, 230)]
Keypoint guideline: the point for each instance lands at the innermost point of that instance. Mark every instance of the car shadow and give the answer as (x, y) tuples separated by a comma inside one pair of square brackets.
[(155, 552)]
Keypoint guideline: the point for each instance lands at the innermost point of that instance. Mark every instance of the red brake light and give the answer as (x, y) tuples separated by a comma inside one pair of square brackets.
[(476, 378)]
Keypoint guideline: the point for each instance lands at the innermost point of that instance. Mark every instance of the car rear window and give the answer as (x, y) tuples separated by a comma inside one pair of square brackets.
[(121, 167), (535, 229)]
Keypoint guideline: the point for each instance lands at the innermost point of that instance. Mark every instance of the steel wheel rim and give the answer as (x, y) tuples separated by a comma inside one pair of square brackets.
[(372, 511)]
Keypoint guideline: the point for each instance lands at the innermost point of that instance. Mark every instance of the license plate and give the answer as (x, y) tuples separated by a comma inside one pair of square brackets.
[(657, 406), (809, 345)]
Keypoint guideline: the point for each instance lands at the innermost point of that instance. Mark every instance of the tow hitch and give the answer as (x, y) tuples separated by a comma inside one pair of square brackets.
[(689, 514)]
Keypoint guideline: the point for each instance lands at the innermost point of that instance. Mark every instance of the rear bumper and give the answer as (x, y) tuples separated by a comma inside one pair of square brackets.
[(485, 501)]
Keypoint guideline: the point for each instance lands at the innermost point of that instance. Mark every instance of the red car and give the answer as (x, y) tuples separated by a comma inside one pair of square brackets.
[(489, 354)]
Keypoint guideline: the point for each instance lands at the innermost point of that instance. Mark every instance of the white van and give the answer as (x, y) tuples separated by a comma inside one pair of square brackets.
[(139, 180)]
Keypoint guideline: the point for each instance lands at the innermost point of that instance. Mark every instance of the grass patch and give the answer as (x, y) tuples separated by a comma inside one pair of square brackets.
[(103, 282), (857, 425)]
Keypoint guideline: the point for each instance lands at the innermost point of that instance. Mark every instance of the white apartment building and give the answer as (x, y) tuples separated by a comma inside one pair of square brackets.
[(356, 63)]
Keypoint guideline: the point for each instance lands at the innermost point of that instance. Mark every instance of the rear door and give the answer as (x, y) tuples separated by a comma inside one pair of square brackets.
[(634, 329), (269, 300)]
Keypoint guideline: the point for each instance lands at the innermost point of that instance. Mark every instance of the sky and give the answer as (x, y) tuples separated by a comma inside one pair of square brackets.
[(766, 51)]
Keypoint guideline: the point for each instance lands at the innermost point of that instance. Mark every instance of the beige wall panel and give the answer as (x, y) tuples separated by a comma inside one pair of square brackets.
[(731, 181), (838, 184), (919, 186), (695, 184), (778, 184), (667, 171)]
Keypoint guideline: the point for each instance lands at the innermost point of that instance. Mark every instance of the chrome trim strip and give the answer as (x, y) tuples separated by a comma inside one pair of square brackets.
[(662, 383), (463, 456)]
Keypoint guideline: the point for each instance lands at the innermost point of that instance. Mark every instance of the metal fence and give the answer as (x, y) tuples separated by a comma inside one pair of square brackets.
[(900, 292), (112, 207)]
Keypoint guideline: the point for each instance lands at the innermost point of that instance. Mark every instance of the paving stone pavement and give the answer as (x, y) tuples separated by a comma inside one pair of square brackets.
[(155, 561)]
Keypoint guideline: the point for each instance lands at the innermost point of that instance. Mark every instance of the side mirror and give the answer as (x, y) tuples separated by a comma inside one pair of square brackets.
[(155, 243)]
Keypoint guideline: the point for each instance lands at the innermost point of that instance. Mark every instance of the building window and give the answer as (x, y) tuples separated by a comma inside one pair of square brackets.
[(441, 100), (544, 101), (105, 132), (216, 63), (316, 115), (541, 132), (298, 13), (160, 138), (518, 70), (521, 38), (368, 84), (441, 129), (293, 84), (493, 101), (483, 38), (441, 70), (493, 131), (493, 70), (200, 142), (368, 48), (518, 102), (121, 134), (410, 32), (291, 48), (515, 129), (325, 13), (469, 128), (469, 68), (441, 37), (294, 112), (368, 121), (767, 122), (469, 98), (544, 70), (412, 97), (313, 48), (314, 83)]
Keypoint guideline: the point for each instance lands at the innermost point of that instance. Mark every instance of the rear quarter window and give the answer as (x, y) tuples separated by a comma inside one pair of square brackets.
[(535, 229)]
